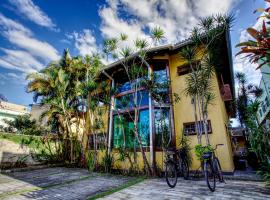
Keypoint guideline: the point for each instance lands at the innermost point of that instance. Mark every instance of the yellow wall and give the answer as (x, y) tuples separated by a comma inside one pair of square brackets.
[(183, 112)]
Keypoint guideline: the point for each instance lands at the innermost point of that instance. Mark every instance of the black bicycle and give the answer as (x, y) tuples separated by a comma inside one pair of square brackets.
[(176, 163), (212, 169)]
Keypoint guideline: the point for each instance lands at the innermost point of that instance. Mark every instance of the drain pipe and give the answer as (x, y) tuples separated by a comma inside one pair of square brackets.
[(111, 113)]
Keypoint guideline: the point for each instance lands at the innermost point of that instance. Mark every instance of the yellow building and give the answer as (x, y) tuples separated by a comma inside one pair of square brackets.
[(165, 62)]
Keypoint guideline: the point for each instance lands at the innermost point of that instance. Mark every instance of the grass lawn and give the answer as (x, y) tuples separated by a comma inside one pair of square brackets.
[(33, 142)]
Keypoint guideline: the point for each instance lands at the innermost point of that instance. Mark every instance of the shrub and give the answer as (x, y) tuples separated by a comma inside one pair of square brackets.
[(107, 162), (200, 150)]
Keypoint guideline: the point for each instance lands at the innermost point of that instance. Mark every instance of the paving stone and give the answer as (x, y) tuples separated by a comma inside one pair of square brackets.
[(56, 183), (74, 183), (158, 189)]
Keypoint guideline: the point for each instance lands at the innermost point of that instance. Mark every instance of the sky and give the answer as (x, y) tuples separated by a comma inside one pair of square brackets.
[(35, 32)]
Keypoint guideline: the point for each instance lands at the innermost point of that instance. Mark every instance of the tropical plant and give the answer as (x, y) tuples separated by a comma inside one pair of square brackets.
[(23, 124), (134, 62), (107, 162), (200, 150), (69, 87), (257, 50), (202, 59), (245, 95)]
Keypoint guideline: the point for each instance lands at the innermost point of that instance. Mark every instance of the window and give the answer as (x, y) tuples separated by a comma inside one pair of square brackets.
[(260, 112), (100, 141), (189, 128), (162, 83), (127, 101), (162, 127), (123, 130), (263, 107), (185, 69), (267, 102)]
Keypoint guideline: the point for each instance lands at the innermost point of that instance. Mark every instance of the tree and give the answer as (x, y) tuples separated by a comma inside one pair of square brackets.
[(200, 56), (23, 124), (71, 89), (245, 96), (257, 50), (135, 68)]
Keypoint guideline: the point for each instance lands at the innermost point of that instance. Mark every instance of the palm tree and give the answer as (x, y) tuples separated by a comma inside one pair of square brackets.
[(246, 94), (134, 69), (201, 58)]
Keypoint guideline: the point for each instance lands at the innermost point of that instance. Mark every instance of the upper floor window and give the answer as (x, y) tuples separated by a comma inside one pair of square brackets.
[(190, 129), (161, 96), (267, 102), (260, 111), (263, 107)]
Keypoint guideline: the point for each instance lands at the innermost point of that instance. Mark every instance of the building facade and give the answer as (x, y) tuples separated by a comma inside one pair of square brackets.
[(166, 64), (9, 111), (264, 108)]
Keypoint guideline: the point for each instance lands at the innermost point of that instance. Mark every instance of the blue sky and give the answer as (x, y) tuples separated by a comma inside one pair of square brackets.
[(34, 32)]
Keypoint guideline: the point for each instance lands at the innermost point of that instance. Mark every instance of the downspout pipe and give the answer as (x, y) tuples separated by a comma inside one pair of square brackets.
[(111, 113)]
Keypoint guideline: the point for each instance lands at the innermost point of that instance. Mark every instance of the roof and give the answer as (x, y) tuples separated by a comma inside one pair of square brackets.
[(170, 48)]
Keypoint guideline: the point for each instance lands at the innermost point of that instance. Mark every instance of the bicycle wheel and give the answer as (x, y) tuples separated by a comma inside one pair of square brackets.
[(209, 174), (171, 174), (218, 170), (185, 169)]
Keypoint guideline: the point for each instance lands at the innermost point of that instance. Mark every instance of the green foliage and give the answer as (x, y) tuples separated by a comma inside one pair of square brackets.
[(257, 49), (264, 172), (24, 125), (90, 161), (185, 146), (200, 150), (203, 59), (157, 34), (107, 162), (43, 148)]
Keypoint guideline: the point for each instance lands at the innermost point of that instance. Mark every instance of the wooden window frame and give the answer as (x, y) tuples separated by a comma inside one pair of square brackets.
[(210, 131)]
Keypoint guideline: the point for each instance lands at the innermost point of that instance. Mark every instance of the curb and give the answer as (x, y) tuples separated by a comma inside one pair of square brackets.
[(30, 168)]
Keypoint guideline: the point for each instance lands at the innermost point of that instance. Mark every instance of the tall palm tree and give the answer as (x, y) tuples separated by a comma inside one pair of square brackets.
[(201, 58), (245, 97)]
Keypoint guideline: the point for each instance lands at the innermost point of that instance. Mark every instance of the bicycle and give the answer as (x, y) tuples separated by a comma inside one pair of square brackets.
[(176, 163), (212, 169)]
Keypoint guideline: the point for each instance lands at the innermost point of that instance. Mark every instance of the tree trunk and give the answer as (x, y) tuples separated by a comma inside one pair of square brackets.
[(145, 161)]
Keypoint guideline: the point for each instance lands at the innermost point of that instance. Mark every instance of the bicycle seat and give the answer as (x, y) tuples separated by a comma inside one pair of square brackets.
[(207, 155)]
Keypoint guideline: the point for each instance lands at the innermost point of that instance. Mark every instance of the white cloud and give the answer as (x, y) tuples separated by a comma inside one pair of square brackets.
[(175, 17), (112, 25), (19, 60), (32, 12), (85, 42), (15, 78), (30, 54)]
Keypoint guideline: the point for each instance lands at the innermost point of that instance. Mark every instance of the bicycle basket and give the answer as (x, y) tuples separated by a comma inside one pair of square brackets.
[(207, 155)]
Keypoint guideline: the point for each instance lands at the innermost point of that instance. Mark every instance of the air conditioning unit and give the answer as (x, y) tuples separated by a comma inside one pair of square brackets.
[(226, 92)]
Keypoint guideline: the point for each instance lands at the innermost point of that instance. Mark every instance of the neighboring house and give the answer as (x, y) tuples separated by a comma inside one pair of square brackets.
[(36, 112), (165, 63), (264, 108), (9, 111)]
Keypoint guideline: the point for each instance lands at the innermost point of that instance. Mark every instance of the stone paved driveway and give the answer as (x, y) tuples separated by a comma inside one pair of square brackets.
[(56, 183), (157, 189), (72, 183)]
